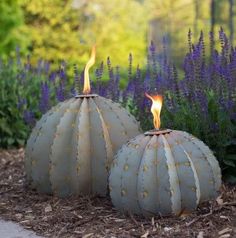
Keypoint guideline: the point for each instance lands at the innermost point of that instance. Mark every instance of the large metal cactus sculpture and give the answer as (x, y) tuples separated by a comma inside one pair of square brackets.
[(71, 148), (163, 172)]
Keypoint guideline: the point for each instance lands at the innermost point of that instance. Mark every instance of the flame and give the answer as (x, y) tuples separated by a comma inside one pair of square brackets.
[(91, 62), (156, 109)]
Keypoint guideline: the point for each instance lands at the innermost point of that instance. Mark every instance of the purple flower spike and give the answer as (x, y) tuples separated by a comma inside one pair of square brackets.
[(45, 97)]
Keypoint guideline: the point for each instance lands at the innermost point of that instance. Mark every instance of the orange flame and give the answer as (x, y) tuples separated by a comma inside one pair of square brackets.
[(90, 63), (156, 109)]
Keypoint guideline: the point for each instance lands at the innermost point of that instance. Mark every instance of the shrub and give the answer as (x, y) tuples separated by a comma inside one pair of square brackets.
[(202, 102), (200, 98)]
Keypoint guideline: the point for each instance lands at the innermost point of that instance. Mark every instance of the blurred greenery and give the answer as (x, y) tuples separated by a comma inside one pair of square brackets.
[(56, 30), (13, 31)]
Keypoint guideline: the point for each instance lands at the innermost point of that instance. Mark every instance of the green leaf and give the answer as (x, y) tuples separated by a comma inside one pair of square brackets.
[(231, 179), (230, 157), (10, 141), (229, 163)]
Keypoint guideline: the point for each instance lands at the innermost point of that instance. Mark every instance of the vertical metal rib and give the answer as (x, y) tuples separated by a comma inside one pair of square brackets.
[(41, 152), (61, 152), (30, 146), (184, 166), (74, 182), (129, 163), (197, 184), (173, 178), (147, 179), (101, 154), (138, 181), (209, 170), (119, 134), (84, 173)]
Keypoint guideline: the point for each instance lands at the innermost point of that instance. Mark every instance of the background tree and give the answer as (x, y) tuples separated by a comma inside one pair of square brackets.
[(54, 29), (12, 29), (67, 29)]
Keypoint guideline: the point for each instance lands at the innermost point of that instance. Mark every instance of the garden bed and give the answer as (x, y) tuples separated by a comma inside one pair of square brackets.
[(95, 217)]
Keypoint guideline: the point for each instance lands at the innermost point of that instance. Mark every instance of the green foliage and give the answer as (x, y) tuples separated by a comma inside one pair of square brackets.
[(13, 30), (66, 30), (54, 29), (19, 87), (12, 128)]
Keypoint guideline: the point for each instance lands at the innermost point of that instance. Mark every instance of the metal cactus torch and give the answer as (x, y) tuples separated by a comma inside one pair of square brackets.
[(163, 171), (71, 147)]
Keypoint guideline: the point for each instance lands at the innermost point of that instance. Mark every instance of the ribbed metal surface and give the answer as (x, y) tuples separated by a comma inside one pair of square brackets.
[(163, 173), (71, 147)]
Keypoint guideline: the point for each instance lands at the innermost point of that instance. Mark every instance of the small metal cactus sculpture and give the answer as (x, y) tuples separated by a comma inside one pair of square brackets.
[(163, 172), (71, 148)]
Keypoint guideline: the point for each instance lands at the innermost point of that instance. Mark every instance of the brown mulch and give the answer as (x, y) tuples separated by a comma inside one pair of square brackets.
[(95, 217)]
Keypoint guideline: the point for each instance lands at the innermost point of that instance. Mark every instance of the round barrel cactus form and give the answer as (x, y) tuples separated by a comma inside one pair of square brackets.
[(72, 146), (166, 172)]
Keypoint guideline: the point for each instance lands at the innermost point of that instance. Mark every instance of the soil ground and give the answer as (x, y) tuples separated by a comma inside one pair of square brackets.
[(95, 217)]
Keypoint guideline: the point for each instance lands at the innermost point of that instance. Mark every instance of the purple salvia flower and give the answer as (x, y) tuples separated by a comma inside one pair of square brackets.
[(52, 77), (60, 92), (29, 117), (130, 67), (46, 67), (21, 102), (45, 97)]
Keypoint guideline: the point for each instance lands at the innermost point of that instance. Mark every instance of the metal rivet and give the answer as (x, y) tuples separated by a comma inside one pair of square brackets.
[(145, 168), (178, 142), (155, 145), (189, 153), (155, 162), (78, 168), (107, 165), (145, 194), (123, 192), (136, 146), (211, 181), (73, 125), (169, 146), (33, 162), (126, 167)]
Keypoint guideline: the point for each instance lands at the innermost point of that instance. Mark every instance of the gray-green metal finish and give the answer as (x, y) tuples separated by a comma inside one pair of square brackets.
[(163, 173), (71, 148)]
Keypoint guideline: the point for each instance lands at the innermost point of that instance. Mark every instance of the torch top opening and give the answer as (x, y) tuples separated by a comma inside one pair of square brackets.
[(86, 96), (157, 132)]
